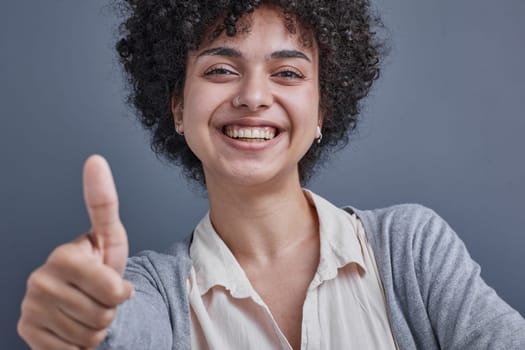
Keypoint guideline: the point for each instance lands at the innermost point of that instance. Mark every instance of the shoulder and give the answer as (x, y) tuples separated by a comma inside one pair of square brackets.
[(158, 314), (409, 235), (161, 267), (402, 221), (399, 214), (433, 288)]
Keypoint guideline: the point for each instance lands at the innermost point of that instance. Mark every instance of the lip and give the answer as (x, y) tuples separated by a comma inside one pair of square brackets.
[(250, 122)]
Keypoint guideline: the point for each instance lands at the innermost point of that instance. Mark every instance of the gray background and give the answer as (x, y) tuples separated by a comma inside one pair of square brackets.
[(444, 127)]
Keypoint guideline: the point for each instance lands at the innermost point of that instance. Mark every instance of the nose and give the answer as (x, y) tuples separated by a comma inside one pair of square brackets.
[(254, 94)]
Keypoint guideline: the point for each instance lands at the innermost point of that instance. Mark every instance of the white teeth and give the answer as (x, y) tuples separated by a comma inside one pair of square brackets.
[(259, 133)]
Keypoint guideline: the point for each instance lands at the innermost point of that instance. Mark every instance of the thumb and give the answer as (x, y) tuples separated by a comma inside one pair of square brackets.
[(107, 232)]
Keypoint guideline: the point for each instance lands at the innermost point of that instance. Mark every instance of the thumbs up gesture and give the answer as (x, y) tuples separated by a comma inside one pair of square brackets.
[(71, 300)]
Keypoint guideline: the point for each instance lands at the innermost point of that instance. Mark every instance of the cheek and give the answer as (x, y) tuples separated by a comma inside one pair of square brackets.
[(200, 104), (306, 108), (306, 111), (197, 112)]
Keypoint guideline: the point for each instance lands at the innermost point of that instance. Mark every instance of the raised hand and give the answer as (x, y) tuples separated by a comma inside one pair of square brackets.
[(71, 300)]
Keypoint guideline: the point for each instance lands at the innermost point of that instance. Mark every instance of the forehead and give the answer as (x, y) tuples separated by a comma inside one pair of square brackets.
[(265, 28)]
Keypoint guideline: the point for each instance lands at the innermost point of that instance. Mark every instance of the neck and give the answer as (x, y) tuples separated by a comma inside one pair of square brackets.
[(262, 223)]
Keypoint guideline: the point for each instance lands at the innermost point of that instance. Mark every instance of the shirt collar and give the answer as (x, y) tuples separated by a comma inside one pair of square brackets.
[(215, 264), (340, 245)]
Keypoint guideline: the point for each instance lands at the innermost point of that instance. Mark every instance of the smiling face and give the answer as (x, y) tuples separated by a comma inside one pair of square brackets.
[(251, 103)]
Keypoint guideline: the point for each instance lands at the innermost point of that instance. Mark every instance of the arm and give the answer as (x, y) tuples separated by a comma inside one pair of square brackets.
[(143, 322), (158, 316), (464, 311), (72, 298)]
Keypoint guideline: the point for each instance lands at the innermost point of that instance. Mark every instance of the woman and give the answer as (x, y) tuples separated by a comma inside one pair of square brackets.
[(248, 97)]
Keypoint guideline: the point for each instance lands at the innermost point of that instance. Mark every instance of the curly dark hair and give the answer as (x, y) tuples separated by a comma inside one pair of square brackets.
[(156, 36)]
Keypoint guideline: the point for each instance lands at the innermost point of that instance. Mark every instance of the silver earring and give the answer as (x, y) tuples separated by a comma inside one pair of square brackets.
[(319, 134), (237, 101), (177, 130)]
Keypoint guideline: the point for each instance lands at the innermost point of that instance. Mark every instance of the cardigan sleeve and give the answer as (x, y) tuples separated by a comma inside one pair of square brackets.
[(465, 313), (436, 298), (142, 322), (157, 316)]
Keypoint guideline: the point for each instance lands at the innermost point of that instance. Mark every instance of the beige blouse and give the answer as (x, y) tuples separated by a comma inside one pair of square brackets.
[(344, 306)]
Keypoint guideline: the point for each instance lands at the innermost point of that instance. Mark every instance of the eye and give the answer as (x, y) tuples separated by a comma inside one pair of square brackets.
[(220, 70), (289, 73)]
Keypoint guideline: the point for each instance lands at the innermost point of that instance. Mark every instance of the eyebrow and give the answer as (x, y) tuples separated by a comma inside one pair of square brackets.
[(289, 54), (221, 51), (230, 52)]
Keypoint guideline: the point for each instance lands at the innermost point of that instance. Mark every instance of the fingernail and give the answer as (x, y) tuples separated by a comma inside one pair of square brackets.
[(132, 291)]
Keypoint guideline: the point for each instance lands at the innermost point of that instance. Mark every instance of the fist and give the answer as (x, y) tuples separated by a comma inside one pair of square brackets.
[(71, 300)]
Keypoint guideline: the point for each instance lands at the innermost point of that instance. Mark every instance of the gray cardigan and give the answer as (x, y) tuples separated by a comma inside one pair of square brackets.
[(435, 296)]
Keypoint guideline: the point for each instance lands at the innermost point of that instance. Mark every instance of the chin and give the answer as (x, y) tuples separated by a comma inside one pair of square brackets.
[(255, 172), (252, 178), (261, 176)]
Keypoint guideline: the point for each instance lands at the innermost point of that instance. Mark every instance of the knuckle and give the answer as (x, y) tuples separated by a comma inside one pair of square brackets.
[(30, 313), (37, 283), (93, 339), (114, 296), (26, 331), (65, 346), (104, 318), (33, 280), (22, 328), (115, 292), (62, 256), (71, 347), (25, 310)]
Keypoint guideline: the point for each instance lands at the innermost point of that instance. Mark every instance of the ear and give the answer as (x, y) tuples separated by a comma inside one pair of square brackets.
[(176, 112), (320, 119)]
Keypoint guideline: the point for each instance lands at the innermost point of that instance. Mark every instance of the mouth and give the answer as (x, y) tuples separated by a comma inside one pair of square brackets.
[(250, 133)]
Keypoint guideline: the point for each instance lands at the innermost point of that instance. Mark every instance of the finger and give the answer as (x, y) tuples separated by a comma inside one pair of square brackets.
[(95, 280), (51, 319), (101, 199), (45, 340), (71, 331), (36, 336), (100, 194), (77, 305), (85, 310), (104, 285)]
